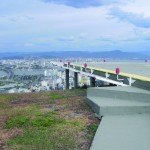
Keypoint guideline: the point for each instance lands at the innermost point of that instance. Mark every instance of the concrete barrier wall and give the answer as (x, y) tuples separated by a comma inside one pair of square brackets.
[(118, 100), (125, 93)]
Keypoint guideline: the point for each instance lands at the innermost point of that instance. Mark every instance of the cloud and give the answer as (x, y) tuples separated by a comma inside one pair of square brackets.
[(13, 19), (86, 3), (143, 33), (29, 44), (105, 39), (126, 38), (135, 19), (83, 36), (40, 40), (30, 18), (66, 39)]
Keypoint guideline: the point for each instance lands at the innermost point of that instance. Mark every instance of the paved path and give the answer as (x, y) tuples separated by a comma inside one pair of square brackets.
[(129, 132), (125, 123)]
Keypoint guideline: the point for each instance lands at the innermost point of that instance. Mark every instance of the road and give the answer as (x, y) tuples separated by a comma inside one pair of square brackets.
[(9, 72)]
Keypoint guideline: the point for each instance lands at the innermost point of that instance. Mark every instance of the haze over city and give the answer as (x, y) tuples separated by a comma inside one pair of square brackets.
[(74, 25)]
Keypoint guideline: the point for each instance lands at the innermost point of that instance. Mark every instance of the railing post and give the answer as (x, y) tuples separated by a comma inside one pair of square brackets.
[(67, 78), (75, 79), (92, 82)]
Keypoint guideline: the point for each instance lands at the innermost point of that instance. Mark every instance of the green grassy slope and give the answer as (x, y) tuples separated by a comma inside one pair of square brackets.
[(59, 120)]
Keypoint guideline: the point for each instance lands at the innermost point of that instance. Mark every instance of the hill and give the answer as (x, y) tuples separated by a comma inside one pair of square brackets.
[(49, 121), (116, 54)]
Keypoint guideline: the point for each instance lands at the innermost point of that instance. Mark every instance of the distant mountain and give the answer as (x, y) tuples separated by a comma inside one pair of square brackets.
[(116, 54), (24, 55)]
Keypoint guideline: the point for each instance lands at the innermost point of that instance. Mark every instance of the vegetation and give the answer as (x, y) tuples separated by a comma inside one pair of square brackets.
[(59, 120)]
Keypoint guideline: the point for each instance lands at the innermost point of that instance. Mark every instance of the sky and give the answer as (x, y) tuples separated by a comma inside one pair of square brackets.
[(74, 25)]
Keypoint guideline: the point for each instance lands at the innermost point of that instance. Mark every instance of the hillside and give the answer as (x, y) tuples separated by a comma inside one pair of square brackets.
[(115, 54), (59, 120)]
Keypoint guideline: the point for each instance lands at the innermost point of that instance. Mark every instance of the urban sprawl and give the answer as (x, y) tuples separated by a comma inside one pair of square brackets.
[(34, 75)]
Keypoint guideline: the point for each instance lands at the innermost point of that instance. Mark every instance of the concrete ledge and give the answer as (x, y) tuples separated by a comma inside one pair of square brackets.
[(94, 106), (124, 93), (118, 100), (105, 106)]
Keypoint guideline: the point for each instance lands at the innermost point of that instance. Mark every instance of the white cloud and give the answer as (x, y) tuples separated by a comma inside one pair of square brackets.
[(137, 20), (36, 25), (66, 39), (139, 7)]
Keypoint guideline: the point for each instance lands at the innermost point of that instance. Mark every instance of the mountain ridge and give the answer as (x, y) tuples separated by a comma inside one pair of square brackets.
[(115, 54)]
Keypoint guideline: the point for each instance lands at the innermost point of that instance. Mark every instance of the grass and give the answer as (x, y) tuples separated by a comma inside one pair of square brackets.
[(59, 137), (56, 96), (59, 120)]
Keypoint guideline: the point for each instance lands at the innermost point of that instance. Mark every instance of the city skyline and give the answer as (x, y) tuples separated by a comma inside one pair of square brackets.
[(62, 25)]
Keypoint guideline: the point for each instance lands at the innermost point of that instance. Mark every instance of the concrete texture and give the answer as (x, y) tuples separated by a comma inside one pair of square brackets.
[(123, 93), (125, 113), (118, 107), (131, 132)]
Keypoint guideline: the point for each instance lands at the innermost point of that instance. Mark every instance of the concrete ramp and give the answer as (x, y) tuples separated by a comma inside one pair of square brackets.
[(120, 92), (106, 106), (118, 100), (130, 132), (125, 113)]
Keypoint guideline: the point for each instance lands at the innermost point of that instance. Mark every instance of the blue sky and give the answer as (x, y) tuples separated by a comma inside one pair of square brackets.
[(76, 25)]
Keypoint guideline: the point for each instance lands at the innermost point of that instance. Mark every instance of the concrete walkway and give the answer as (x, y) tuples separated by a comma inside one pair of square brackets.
[(125, 123), (130, 132)]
